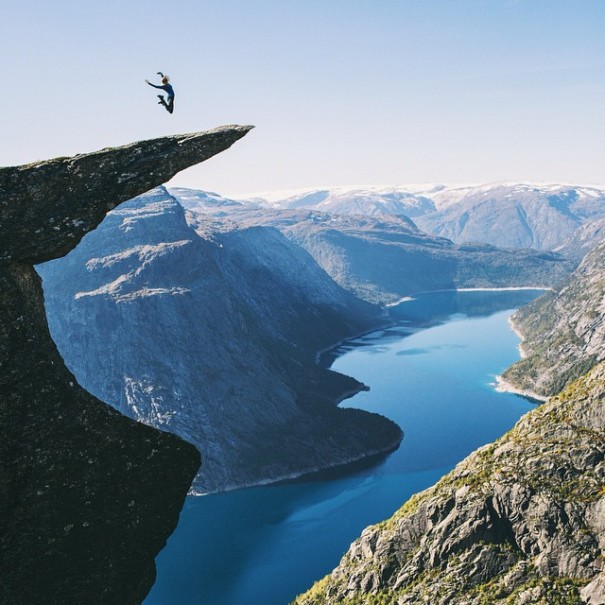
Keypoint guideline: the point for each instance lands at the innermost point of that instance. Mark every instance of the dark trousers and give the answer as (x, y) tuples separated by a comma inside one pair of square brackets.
[(170, 105)]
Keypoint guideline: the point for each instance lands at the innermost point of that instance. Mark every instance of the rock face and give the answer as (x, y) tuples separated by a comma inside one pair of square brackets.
[(519, 521), (564, 332), (87, 497), (382, 259), (210, 330)]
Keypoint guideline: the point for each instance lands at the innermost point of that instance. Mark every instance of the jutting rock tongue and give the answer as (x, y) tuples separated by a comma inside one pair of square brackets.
[(87, 496), (47, 207)]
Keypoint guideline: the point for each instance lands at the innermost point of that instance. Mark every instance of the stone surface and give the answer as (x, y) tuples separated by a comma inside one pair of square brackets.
[(87, 496), (519, 521), (47, 207)]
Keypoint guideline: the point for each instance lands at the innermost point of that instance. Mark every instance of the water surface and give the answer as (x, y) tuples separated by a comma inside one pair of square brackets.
[(432, 373)]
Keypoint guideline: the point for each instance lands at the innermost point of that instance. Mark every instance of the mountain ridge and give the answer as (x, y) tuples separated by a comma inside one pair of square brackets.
[(210, 330), (542, 216), (382, 259)]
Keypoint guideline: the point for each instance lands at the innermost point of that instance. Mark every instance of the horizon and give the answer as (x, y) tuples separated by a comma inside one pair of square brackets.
[(479, 91), (418, 188)]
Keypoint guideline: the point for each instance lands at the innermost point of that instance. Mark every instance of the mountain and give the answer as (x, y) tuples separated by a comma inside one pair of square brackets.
[(519, 521), (368, 201), (564, 334), (542, 217), (505, 215), (383, 259), (210, 330), (88, 497)]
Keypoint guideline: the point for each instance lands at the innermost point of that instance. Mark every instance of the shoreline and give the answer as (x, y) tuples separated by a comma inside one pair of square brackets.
[(331, 471), (370, 457), (503, 386), (517, 332), (410, 297)]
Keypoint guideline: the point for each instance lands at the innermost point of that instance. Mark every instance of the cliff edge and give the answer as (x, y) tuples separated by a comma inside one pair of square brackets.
[(88, 496)]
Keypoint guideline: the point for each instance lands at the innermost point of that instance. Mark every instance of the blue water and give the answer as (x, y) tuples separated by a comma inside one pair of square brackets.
[(433, 374)]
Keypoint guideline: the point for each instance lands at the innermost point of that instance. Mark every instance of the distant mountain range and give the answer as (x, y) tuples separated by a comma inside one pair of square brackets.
[(384, 257), (509, 215)]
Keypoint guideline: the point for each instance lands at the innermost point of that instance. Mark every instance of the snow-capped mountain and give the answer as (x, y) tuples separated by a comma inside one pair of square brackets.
[(543, 217), (384, 258), (369, 201), (508, 215)]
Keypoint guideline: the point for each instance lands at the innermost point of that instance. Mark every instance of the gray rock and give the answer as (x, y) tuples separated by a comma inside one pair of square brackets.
[(87, 497)]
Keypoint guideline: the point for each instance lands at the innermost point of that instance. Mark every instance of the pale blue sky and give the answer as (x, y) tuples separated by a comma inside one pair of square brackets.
[(353, 92)]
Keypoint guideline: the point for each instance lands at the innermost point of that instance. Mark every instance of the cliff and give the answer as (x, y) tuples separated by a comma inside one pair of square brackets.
[(210, 330), (563, 332), (87, 497), (519, 521)]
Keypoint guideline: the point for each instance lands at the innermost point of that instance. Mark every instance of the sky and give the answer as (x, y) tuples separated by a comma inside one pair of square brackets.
[(342, 93)]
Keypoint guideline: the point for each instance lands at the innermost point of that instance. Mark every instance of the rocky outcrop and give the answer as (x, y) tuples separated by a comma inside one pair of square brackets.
[(519, 521), (210, 330), (563, 331), (88, 496)]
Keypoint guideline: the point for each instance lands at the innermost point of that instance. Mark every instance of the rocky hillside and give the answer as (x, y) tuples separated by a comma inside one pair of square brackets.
[(519, 521), (564, 332), (382, 259), (210, 330), (88, 497)]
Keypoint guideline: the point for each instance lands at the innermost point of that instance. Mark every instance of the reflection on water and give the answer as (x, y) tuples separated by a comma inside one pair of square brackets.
[(263, 546), (432, 309)]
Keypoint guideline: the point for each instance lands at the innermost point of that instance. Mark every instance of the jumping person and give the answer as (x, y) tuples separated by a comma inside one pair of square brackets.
[(169, 106)]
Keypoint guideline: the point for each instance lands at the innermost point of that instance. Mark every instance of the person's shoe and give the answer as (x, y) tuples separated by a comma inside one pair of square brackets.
[(161, 101)]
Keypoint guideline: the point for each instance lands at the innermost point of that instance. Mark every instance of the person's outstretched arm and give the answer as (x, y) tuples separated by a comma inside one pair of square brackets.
[(150, 84)]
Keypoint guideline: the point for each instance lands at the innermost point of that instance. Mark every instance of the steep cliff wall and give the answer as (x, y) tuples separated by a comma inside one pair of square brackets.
[(563, 331), (210, 330), (87, 496)]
